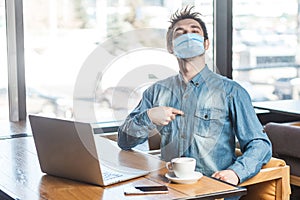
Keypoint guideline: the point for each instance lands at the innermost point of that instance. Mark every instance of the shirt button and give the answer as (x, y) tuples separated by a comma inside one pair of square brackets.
[(197, 84), (182, 136), (205, 116)]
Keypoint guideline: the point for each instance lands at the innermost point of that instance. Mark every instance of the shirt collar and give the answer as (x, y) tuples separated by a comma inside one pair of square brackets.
[(199, 78)]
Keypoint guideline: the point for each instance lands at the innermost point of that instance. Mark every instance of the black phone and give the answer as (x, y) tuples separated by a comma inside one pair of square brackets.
[(157, 189)]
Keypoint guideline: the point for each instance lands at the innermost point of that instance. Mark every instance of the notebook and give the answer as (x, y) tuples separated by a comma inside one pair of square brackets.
[(68, 149)]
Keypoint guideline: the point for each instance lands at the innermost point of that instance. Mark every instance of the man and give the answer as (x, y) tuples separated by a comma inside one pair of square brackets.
[(198, 113)]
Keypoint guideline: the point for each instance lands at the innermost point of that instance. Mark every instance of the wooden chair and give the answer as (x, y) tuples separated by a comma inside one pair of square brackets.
[(271, 183)]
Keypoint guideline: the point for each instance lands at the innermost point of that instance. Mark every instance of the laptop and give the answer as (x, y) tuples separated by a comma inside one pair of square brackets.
[(69, 149)]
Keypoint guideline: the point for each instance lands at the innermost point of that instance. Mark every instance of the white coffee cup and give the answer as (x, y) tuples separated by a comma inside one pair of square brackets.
[(183, 167)]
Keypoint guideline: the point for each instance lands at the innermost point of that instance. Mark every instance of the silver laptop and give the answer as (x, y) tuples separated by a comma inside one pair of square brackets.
[(67, 149)]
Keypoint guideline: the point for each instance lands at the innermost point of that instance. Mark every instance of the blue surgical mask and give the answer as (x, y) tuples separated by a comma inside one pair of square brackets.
[(188, 45)]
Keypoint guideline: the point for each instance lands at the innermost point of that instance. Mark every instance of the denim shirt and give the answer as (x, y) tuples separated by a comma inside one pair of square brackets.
[(217, 112)]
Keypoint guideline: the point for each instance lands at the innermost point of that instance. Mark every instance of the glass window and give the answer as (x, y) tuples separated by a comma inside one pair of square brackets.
[(59, 35), (92, 59), (3, 64), (266, 48)]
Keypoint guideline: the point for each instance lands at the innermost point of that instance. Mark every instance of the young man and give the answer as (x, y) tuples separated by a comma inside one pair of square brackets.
[(199, 113)]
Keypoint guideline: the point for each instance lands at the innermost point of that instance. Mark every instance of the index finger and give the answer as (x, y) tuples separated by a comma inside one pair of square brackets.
[(177, 112)]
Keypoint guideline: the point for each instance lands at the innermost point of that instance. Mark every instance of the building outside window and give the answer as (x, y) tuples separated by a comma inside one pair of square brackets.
[(266, 48)]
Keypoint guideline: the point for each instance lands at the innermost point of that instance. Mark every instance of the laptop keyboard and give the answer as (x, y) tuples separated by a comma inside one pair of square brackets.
[(110, 175)]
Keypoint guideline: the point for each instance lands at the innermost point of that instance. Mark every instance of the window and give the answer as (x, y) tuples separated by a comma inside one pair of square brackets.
[(92, 59), (59, 35), (3, 64), (266, 48)]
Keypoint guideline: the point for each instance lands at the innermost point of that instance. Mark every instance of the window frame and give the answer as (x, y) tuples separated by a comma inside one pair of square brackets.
[(15, 60)]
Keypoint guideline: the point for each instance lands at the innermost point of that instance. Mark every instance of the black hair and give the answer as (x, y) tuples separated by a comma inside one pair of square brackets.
[(184, 13)]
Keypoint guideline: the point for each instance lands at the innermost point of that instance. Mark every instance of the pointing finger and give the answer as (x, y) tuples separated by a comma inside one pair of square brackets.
[(177, 112)]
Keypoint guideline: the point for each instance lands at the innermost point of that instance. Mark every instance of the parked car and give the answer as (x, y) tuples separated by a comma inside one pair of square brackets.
[(38, 102), (287, 88), (119, 98)]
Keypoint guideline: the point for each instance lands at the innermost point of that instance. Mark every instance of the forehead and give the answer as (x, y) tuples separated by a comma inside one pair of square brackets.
[(186, 22)]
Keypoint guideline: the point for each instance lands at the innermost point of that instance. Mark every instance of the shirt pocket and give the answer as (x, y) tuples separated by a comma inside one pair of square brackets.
[(209, 122)]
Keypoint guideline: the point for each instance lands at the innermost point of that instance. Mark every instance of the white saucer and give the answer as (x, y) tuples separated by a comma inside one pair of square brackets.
[(196, 176)]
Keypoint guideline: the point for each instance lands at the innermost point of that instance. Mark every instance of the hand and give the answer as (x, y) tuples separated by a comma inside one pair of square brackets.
[(163, 115), (227, 175)]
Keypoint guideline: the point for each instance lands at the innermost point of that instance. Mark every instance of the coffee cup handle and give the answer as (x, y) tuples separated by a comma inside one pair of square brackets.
[(169, 166)]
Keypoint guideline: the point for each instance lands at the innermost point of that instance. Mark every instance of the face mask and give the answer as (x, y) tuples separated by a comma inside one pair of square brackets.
[(189, 45)]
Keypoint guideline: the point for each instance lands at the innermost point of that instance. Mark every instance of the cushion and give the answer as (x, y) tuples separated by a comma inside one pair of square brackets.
[(264, 190)]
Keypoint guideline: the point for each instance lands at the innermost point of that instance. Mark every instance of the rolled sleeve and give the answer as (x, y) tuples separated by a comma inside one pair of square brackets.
[(137, 126), (250, 163)]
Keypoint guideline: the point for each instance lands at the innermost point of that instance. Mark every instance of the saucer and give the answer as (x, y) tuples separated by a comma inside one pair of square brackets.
[(193, 179)]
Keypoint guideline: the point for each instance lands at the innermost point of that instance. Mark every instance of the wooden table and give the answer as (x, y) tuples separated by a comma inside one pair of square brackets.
[(21, 177)]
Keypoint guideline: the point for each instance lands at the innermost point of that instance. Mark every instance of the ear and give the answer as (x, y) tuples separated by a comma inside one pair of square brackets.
[(206, 44), (170, 48), (169, 41)]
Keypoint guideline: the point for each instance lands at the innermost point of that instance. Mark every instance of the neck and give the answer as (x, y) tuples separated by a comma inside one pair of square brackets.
[(190, 67)]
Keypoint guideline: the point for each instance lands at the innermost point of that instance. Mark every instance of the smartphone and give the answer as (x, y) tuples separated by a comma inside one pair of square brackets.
[(158, 189)]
